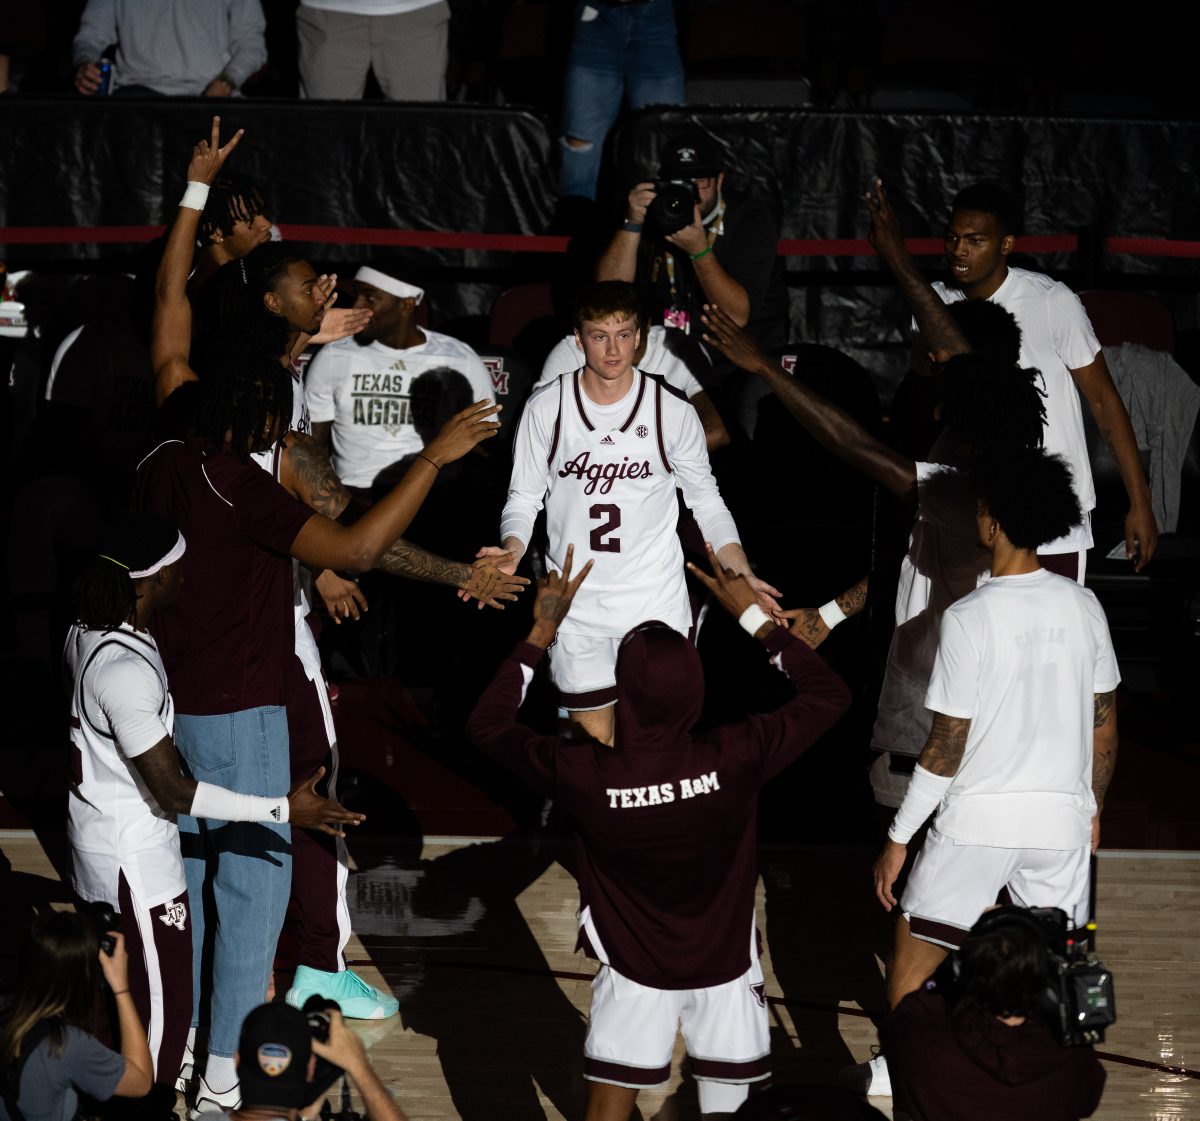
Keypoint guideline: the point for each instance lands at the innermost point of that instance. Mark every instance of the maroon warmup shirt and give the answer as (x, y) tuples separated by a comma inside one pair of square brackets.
[(665, 820), (226, 642)]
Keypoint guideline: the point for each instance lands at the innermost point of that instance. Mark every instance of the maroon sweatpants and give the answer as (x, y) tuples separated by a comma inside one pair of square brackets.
[(158, 941), (319, 861)]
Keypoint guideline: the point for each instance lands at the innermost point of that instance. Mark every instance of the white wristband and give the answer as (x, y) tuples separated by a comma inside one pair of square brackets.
[(925, 793), (752, 618), (195, 197), (228, 805), (831, 614)]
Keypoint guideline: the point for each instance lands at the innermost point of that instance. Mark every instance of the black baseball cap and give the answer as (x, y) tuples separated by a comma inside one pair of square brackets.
[(692, 155), (273, 1054)]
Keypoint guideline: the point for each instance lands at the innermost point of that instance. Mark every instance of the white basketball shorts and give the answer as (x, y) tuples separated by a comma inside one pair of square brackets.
[(952, 883), (584, 670)]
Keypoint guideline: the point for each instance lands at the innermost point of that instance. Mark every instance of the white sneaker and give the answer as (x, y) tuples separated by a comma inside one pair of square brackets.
[(880, 1085), (209, 1102), (187, 1072)]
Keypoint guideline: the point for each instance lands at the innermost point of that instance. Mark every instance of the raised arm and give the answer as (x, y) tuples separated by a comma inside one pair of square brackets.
[(941, 333), (619, 260), (171, 335), (833, 427)]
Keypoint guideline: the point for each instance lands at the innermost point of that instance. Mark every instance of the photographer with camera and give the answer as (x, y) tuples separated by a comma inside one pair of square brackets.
[(688, 243), (983, 1039), (287, 1060), (49, 1053)]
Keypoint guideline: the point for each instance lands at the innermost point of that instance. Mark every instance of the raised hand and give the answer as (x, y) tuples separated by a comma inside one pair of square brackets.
[(308, 810), (208, 156), (115, 966), (554, 595), (884, 236), (640, 197), (734, 591), (807, 625), (341, 322), (492, 580), (462, 432), (733, 342), (343, 598), (692, 238)]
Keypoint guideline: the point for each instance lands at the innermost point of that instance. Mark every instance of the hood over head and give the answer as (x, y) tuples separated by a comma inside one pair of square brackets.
[(660, 688)]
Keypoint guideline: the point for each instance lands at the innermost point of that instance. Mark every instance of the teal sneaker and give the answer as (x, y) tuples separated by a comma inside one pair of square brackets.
[(357, 999)]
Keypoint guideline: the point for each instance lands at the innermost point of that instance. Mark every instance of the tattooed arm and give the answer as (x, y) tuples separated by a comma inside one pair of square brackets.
[(811, 629), (944, 748), (1104, 753)]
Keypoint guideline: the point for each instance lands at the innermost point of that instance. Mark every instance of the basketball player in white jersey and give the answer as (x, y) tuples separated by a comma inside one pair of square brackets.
[(127, 784), (604, 449)]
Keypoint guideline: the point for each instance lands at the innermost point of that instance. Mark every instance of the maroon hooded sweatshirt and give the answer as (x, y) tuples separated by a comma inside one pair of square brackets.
[(665, 819)]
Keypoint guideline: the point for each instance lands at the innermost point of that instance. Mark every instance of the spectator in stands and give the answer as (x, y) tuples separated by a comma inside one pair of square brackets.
[(358, 389), (404, 42), (667, 352), (621, 49), (49, 1053), (976, 1042), (725, 256), (277, 1055), (170, 48)]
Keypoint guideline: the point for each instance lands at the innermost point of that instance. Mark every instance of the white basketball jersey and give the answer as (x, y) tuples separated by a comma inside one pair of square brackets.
[(612, 494), (114, 824)]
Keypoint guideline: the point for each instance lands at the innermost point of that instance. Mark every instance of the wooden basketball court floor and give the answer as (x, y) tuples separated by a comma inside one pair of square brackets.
[(476, 939)]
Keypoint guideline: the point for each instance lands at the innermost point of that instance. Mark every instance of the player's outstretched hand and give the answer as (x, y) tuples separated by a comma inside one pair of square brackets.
[(733, 590), (208, 156), (462, 432), (554, 595), (343, 598), (500, 557), (492, 581), (885, 236), (887, 869), (733, 342), (807, 625), (308, 810)]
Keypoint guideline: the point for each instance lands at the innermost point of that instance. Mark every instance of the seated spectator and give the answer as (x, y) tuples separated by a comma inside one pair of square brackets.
[(978, 1045), (359, 389), (405, 43), (49, 1053), (170, 48), (276, 1060), (665, 351)]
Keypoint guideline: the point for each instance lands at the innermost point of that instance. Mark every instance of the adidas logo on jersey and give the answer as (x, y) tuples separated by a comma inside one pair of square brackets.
[(608, 440), (603, 475), (174, 914)]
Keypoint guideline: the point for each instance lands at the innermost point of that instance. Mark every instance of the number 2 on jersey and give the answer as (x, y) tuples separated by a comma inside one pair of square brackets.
[(611, 512)]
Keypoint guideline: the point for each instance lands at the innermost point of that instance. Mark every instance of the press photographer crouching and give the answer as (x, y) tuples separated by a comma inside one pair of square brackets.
[(49, 1053), (288, 1059), (1004, 1028)]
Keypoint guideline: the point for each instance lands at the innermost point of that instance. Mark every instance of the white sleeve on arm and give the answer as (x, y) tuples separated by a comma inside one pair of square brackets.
[(130, 695), (1074, 340), (954, 684), (247, 40), (220, 804), (527, 485), (674, 372), (689, 458), (97, 30), (481, 380), (320, 381)]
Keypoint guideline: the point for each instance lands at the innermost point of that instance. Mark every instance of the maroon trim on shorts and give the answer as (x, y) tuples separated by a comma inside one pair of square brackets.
[(596, 698), (604, 1071), (1061, 564), (933, 931), (638, 403), (715, 1069)]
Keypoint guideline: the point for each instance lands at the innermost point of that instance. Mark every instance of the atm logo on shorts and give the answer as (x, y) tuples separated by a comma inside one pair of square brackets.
[(174, 914), (760, 993)]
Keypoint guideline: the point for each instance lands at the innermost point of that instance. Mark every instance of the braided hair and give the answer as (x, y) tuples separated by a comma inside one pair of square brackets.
[(246, 401), (232, 198), (986, 403), (105, 596)]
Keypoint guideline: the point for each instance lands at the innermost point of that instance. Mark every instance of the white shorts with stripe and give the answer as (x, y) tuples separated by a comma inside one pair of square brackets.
[(584, 671), (952, 883)]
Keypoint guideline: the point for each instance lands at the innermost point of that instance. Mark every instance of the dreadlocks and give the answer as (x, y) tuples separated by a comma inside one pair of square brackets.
[(105, 593), (232, 198), (244, 402), (987, 404)]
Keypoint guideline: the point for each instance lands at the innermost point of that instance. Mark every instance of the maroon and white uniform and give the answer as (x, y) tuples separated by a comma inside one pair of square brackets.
[(666, 833), (124, 848)]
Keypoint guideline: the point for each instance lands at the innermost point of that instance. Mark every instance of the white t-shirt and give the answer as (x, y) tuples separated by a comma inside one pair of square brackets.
[(944, 562), (364, 390), (567, 357), (1022, 657), (120, 708), (1056, 338), (607, 475)]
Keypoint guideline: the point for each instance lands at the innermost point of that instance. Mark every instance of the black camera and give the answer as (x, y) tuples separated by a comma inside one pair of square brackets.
[(673, 205), (1080, 1001), (106, 921), (316, 1011)]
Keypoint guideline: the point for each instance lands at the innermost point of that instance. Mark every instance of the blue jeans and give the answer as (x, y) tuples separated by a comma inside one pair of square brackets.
[(630, 51), (248, 863)]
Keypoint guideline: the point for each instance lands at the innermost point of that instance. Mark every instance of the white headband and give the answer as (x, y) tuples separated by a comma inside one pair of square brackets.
[(176, 552), (389, 284)]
